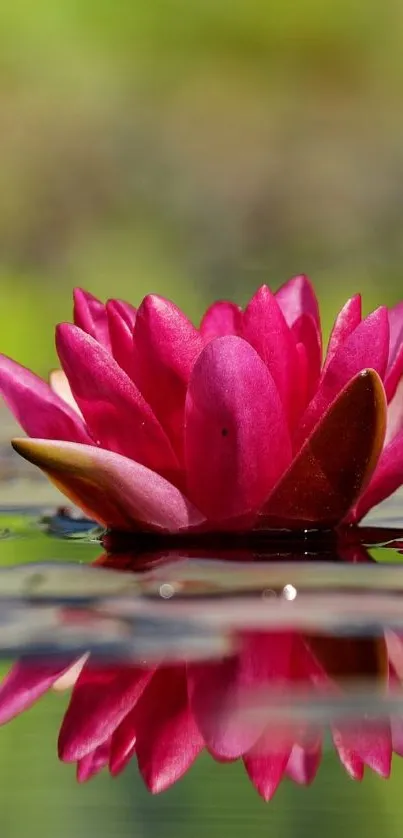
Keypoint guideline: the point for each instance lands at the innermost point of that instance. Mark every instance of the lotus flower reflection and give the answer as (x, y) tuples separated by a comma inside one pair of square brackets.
[(163, 714), (153, 424)]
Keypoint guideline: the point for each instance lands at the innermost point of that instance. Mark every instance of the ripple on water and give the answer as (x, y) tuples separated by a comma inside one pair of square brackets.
[(62, 594)]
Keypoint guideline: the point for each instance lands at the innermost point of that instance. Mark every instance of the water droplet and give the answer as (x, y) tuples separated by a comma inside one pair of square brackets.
[(167, 590)]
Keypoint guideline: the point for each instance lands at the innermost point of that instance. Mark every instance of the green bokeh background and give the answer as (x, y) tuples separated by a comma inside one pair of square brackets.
[(196, 150)]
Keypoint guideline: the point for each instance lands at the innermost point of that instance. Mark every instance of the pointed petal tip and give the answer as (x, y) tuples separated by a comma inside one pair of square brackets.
[(82, 774), (24, 684), (265, 774), (65, 333), (38, 409), (113, 490), (223, 317), (117, 764), (90, 314), (157, 782), (348, 319), (46, 453), (156, 302), (82, 294), (22, 445), (63, 329), (71, 752)]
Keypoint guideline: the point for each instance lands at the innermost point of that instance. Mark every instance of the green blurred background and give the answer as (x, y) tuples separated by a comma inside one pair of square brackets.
[(196, 149)]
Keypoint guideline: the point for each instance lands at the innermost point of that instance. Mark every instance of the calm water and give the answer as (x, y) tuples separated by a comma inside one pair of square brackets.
[(147, 602)]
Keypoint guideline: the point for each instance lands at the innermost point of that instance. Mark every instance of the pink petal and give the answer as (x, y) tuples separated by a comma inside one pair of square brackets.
[(116, 491), (168, 740), (395, 415), (166, 345), (25, 683), (346, 322), (264, 327), (366, 348), (236, 441), (222, 318), (121, 319), (116, 412), (395, 650), (335, 463), (387, 478), (303, 764), (123, 744), (218, 692), (297, 297), (395, 362), (304, 381), (349, 759), (90, 316), (394, 374), (278, 751), (126, 311), (396, 330), (267, 770), (307, 333), (162, 732), (368, 741), (396, 724), (93, 763), (214, 690), (39, 411), (100, 701), (394, 643)]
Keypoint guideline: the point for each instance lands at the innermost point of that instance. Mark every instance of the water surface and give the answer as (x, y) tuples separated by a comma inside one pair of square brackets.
[(184, 602)]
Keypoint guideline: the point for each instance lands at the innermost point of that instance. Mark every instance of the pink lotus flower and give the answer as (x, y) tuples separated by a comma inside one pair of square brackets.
[(165, 715), (157, 425)]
